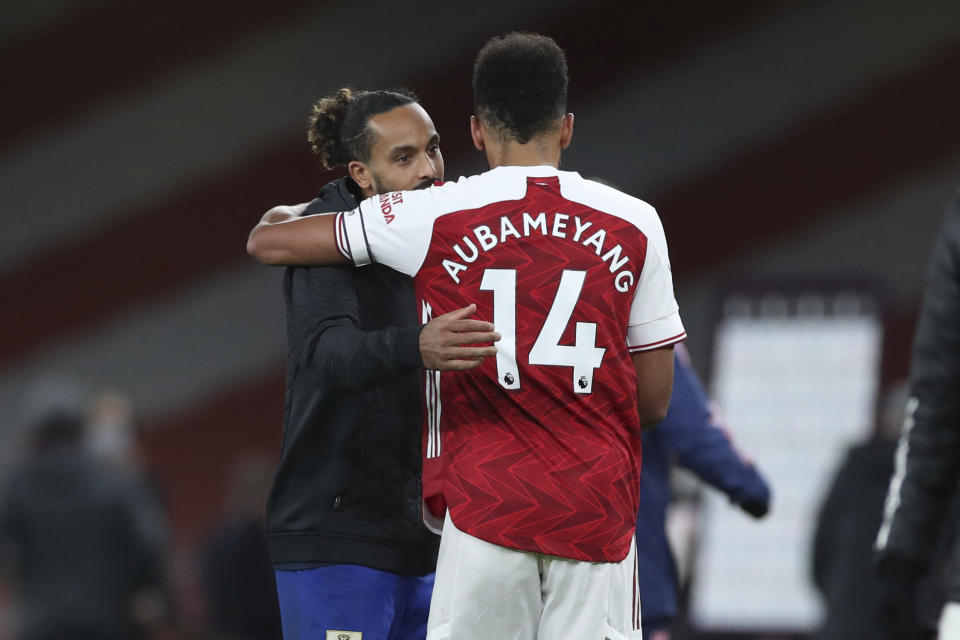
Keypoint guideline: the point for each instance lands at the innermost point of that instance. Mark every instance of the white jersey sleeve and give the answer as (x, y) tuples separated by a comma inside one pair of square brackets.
[(392, 229), (654, 315)]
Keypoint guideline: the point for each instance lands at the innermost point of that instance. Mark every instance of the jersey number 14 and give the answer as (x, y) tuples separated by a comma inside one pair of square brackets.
[(583, 355)]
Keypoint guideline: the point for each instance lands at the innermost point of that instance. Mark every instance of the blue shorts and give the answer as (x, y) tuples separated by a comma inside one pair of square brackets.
[(350, 598)]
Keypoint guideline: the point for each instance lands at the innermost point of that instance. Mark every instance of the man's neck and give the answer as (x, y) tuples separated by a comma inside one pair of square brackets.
[(532, 154)]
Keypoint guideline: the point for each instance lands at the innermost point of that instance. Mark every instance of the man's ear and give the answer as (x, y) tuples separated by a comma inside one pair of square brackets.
[(476, 132), (566, 131), (361, 174)]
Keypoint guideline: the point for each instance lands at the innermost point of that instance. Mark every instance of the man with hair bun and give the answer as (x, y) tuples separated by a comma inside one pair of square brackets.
[(351, 555), (539, 446)]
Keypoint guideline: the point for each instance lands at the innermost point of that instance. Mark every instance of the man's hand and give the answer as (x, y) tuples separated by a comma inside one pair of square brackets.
[(754, 496), (443, 341)]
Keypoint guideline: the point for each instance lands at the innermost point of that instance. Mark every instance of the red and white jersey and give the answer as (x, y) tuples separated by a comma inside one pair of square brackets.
[(539, 447)]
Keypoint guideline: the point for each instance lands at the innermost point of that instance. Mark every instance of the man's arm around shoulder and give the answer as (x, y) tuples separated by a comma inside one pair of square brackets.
[(283, 237)]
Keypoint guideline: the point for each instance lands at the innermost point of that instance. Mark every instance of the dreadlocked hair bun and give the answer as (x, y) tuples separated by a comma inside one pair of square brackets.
[(326, 127), (339, 129)]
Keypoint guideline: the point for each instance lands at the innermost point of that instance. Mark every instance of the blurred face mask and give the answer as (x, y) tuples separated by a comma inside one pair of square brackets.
[(111, 440)]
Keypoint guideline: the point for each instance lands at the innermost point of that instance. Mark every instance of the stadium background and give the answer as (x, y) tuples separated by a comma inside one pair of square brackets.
[(140, 142)]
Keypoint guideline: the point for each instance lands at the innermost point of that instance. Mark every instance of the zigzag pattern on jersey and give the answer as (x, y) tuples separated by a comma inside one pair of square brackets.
[(541, 468)]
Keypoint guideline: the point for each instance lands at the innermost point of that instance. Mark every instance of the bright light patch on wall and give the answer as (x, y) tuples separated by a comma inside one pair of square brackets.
[(796, 379)]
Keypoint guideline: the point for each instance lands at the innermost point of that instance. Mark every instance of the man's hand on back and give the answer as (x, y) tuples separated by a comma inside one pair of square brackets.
[(451, 342)]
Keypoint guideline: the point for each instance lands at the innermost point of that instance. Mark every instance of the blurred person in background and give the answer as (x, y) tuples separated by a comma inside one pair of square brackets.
[(237, 574), (842, 559), (111, 434), (692, 436), (81, 542), (347, 541), (111, 438), (927, 461)]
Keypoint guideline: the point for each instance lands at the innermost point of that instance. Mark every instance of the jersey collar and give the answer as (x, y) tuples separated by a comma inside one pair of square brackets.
[(538, 171)]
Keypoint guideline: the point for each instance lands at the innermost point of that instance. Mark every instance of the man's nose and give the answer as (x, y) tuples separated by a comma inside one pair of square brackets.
[(428, 167)]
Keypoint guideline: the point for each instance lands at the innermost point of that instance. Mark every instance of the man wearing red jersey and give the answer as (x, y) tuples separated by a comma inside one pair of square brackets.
[(540, 449)]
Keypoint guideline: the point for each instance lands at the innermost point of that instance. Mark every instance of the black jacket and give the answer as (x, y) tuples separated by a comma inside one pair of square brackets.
[(843, 570), (85, 539), (347, 488), (928, 456)]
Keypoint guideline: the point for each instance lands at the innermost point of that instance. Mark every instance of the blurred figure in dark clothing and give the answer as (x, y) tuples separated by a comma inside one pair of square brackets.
[(693, 437), (110, 436), (237, 573), (927, 470), (111, 432), (83, 542), (847, 526)]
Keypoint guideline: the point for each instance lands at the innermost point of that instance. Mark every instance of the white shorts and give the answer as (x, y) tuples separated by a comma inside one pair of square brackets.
[(485, 591)]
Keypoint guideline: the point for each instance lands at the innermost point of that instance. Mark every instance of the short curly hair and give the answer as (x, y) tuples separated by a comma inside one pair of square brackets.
[(338, 128), (520, 85)]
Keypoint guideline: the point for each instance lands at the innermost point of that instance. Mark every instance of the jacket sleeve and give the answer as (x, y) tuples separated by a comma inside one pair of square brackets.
[(701, 445), (325, 328), (927, 462)]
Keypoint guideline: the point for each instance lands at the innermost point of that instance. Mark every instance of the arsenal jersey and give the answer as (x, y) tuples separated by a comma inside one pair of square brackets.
[(538, 449)]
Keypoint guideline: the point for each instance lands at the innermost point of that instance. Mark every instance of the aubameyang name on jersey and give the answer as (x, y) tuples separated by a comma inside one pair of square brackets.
[(559, 227)]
